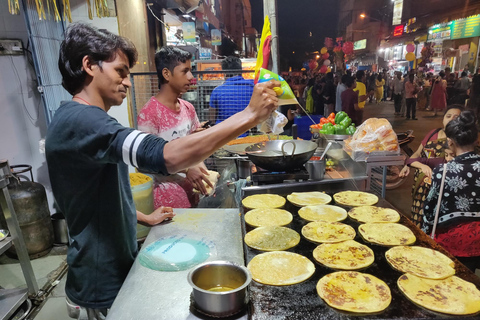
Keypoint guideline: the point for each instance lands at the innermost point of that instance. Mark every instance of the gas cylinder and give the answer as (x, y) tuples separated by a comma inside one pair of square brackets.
[(30, 203)]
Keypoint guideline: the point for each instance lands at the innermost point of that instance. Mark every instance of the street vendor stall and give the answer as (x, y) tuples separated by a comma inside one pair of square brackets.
[(154, 294)]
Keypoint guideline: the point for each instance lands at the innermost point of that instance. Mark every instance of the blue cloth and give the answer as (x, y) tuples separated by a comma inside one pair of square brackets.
[(87, 154), (231, 97)]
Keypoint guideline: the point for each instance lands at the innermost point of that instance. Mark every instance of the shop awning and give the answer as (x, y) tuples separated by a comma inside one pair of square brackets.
[(419, 36)]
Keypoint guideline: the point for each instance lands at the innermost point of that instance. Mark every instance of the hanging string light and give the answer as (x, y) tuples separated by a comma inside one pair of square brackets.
[(13, 6)]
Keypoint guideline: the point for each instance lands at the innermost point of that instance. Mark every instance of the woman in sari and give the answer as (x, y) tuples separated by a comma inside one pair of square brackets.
[(430, 153)]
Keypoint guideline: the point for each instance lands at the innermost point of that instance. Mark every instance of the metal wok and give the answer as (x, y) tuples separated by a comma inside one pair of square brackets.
[(281, 155)]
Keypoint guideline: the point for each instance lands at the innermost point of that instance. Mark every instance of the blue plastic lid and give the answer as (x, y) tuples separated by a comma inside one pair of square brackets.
[(176, 253)]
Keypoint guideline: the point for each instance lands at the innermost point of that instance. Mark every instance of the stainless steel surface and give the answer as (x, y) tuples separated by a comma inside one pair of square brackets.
[(13, 226), (10, 301), (237, 148), (244, 168), (220, 287), (316, 169), (4, 245), (281, 155), (149, 294), (382, 161), (60, 229), (326, 150)]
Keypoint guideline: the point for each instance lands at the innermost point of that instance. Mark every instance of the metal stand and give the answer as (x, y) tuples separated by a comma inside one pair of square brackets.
[(382, 161), (11, 299)]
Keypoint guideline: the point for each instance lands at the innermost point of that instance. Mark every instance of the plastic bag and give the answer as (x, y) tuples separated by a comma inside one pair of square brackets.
[(274, 124), (373, 135), (284, 92)]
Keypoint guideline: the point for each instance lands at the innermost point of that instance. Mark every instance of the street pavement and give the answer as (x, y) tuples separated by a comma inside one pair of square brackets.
[(401, 197)]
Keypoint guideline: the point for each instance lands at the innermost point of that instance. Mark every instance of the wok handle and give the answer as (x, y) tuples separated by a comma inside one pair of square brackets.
[(294, 146)]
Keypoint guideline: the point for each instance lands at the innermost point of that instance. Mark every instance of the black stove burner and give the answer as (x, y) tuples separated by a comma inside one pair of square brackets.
[(262, 177)]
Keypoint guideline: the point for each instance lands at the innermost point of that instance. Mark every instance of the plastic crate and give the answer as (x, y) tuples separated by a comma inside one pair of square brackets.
[(303, 125)]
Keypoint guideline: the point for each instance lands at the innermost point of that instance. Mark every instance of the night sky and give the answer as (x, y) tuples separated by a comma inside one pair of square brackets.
[(296, 19)]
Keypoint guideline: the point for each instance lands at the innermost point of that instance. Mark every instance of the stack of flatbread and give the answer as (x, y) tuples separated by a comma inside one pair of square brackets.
[(345, 255), (258, 201), (302, 199), (354, 292), (355, 198), (328, 232), (387, 234), (280, 268)]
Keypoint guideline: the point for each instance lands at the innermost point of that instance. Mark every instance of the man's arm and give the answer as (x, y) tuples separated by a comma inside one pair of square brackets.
[(184, 152)]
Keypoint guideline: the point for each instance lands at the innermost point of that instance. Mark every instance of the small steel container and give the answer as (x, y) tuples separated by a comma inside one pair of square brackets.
[(220, 287)]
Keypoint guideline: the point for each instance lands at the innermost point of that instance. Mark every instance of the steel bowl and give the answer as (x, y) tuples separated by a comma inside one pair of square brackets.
[(220, 288), (3, 234)]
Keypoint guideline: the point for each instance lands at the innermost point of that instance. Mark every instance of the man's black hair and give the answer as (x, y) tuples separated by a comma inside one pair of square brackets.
[(231, 63), (344, 78), (329, 76), (360, 74), (464, 74), (169, 57), (98, 44), (349, 81)]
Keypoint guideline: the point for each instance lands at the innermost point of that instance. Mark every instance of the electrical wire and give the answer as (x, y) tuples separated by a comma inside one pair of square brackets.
[(153, 14), (32, 120)]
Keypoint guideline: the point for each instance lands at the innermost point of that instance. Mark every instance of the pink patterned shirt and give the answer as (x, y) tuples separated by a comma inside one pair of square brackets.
[(155, 118)]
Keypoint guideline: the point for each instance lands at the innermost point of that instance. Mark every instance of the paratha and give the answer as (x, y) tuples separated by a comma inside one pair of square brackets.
[(422, 262), (387, 234), (264, 217), (451, 295), (354, 292), (367, 214), (328, 232), (272, 238), (345, 255), (257, 201), (323, 212), (280, 268), (355, 198), (302, 199)]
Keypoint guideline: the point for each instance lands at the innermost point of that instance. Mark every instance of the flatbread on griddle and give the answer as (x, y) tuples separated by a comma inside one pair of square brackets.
[(328, 232), (280, 268), (302, 199), (323, 212), (387, 234), (345, 255), (366, 214), (354, 292), (257, 201), (264, 217), (355, 198), (422, 262), (272, 238), (451, 295)]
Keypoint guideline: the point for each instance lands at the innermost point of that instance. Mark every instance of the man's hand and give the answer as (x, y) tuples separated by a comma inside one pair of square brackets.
[(196, 175), (201, 127), (156, 217), (264, 100)]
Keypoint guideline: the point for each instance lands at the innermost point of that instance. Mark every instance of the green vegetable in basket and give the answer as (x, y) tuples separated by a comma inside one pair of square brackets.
[(346, 122), (340, 129), (351, 130), (340, 116), (328, 128)]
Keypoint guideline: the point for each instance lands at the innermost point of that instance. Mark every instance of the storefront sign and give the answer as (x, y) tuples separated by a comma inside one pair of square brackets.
[(440, 32), (360, 44), (216, 37), (205, 53), (398, 31), (466, 28), (397, 12), (188, 31)]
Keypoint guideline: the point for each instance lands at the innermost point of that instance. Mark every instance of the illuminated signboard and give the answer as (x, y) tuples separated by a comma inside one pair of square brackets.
[(466, 28), (397, 12), (398, 31), (360, 44)]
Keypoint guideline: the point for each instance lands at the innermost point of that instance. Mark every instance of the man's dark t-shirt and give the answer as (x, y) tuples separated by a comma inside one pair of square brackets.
[(87, 154), (349, 99)]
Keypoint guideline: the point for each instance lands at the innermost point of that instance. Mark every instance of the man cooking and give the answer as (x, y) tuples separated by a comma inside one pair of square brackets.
[(88, 153)]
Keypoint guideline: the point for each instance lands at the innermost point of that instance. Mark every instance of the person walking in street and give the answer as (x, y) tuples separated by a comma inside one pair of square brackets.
[(379, 83), (362, 95), (350, 101), (432, 148), (329, 95), (397, 88), (340, 88), (438, 100), (461, 89), (411, 90)]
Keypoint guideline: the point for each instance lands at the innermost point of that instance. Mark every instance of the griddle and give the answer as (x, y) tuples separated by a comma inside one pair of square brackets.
[(301, 301)]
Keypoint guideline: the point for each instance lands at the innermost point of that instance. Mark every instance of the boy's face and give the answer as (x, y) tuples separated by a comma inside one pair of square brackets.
[(179, 80)]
